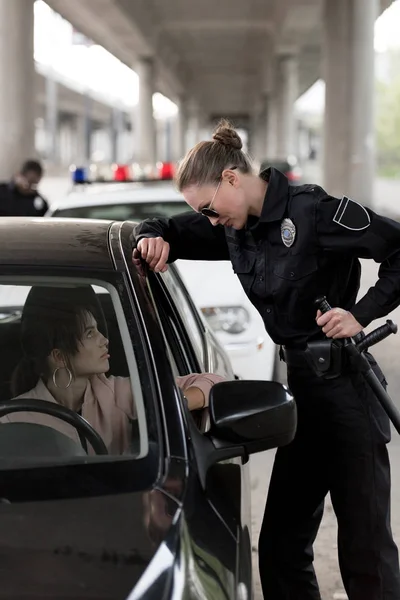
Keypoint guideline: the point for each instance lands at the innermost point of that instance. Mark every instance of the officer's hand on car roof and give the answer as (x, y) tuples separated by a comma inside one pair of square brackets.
[(154, 251), (338, 323)]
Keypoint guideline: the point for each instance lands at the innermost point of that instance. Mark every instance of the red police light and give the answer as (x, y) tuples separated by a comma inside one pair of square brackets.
[(121, 172), (166, 170)]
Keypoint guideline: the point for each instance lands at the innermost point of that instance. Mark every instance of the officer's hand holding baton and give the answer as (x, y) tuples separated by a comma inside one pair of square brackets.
[(355, 350), (337, 323)]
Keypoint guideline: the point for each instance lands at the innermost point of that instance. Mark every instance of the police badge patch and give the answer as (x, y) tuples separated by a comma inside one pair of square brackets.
[(288, 232), (351, 215)]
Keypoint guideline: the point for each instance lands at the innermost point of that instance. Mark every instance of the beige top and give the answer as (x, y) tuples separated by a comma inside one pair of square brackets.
[(107, 405)]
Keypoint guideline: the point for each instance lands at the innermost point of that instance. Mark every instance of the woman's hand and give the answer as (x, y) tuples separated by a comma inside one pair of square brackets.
[(338, 323), (154, 251)]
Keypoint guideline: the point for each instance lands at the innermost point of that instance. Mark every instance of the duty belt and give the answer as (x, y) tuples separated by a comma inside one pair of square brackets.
[(324, 357)]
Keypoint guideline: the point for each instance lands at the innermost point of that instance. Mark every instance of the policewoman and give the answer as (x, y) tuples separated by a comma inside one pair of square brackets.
[(289, 245)]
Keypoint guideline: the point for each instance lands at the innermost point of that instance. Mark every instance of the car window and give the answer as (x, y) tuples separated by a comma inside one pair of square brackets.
[(181, 353), (67, 361), (219, 360), (129, 211), (187, 312)]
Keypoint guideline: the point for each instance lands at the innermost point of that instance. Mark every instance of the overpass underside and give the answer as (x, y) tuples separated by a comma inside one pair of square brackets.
[(248, 61)]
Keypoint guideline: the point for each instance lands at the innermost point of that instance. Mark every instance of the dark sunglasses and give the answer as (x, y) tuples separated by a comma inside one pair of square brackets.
[(207, 211)]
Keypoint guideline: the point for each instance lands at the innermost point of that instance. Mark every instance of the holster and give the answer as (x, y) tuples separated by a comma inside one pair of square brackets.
[(325, 357)]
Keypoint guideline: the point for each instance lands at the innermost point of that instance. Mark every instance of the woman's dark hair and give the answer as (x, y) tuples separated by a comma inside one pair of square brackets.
[(52, 318), (205, 162)]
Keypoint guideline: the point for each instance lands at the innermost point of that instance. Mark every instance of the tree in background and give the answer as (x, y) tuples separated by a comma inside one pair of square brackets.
[(388, 115)]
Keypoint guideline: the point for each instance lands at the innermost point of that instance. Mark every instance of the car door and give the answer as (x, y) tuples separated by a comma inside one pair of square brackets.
[(227, 486), (233, 475)]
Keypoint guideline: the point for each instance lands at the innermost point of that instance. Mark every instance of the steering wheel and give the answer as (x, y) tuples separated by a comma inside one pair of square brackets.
[(84, 429)]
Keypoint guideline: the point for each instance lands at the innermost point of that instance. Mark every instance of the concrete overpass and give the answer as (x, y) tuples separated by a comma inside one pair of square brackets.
[(248, 61), (68, 118)]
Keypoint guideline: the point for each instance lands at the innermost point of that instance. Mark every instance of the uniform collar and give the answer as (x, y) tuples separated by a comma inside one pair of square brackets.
[(276, 197)]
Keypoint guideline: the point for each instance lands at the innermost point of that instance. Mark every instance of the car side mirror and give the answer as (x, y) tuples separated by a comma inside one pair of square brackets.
[(246, 417), (257, 415)]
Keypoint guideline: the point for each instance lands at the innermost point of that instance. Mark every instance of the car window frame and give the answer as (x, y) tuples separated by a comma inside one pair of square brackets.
[(174, 328), (199, 324), (121, 243), (110, 474)]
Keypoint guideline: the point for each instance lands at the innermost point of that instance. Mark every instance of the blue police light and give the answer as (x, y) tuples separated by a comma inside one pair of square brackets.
[(79, 174)]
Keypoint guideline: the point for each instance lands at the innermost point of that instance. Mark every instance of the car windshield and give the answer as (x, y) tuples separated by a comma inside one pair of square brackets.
[(125, 211)]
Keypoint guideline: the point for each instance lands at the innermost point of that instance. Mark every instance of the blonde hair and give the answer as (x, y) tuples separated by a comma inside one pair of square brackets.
[(205, 162)]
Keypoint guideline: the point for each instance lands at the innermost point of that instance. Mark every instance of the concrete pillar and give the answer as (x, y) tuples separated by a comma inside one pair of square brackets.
[(193, 131), (362, 151), (258, 134), (79, 138), (180, 130), (66, 143), (116, 127), (145, 124), (87, 127), (168, 140), (17, 85), (52, 120), (349, 76), (288, 92), (271, 150), (84, 129)]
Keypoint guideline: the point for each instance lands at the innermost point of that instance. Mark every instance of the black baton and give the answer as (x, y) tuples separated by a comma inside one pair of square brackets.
[(355, 347)]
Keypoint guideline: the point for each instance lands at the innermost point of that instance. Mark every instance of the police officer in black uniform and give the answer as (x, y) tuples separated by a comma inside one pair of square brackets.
[(20, 197), (289, 245)]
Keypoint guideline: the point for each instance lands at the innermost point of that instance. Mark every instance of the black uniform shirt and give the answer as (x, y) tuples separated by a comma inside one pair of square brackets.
[(15, 204), (324, 238)]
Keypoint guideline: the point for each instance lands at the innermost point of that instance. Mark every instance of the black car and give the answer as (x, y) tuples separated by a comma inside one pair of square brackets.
[(167, 518)]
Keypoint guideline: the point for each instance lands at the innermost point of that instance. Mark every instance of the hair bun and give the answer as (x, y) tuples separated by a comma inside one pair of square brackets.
[(227, 135)]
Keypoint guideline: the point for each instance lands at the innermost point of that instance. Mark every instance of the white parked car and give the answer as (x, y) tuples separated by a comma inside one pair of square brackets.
[(223, 302)]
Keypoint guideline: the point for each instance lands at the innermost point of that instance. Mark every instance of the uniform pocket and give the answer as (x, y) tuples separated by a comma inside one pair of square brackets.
[(296, 267), (243, 265), (295, 288)]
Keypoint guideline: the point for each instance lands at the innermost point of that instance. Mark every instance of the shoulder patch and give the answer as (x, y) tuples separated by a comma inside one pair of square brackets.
[(352, 215)]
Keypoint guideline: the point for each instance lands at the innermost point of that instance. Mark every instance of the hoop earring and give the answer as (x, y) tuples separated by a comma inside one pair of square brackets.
[(69, 375)]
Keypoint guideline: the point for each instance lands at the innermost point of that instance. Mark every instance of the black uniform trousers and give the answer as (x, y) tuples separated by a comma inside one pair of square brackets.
[(340, 447)]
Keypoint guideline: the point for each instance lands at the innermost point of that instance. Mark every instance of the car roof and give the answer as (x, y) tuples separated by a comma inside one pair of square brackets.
[(55, 242), (125, 193)]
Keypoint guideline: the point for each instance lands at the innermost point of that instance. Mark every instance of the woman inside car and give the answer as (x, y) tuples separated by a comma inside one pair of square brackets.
[(66, 358)]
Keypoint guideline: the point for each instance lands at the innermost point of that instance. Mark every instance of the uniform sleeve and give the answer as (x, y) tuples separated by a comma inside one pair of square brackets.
[(190, 236), (204, 381), (343, 226)]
